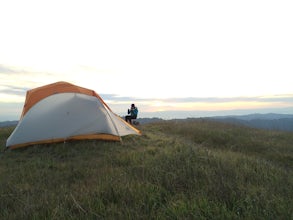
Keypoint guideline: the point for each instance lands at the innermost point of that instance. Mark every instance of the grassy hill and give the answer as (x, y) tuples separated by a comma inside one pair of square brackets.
[(176, 170)]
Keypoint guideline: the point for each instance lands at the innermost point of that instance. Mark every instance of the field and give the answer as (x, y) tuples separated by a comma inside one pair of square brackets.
[(193, 169)]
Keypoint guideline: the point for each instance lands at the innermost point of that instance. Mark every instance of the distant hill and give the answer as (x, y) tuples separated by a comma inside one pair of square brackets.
[(148, 120), (268, 116), (270, 121), (8, 123)]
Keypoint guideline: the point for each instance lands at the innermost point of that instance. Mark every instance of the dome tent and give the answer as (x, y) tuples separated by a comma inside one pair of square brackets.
[(62, 111)]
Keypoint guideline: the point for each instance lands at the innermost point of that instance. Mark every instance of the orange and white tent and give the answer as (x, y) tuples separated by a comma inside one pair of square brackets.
[(62, 111)]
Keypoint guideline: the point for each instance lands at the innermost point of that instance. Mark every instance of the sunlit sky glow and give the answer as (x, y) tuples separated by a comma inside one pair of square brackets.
[(162, 55)]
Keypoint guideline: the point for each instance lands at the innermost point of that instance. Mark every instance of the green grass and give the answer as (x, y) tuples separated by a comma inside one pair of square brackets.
[(175, 170)]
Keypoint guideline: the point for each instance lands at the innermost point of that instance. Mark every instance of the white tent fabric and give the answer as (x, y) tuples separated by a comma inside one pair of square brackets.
[(65, 115)]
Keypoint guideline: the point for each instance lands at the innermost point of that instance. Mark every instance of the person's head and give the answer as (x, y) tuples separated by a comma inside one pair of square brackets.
[(132, 106)]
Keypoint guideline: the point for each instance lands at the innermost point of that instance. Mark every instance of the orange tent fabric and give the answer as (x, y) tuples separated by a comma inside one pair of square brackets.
[(35, 95)]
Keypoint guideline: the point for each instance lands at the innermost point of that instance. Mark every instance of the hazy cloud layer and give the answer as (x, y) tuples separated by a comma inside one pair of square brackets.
[(14, 90), (151, 107), (7, 70), (4, 70), (119, 104), (277, 98), (10, 111)]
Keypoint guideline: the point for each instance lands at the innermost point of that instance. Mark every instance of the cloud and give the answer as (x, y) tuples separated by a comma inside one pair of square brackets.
[(14, 81), (9, 70), (115, 97), (169, 107), (276, 98), (24, 72), (5, 70), (17, 80), (10, 111), (14, 90), (119, 103)]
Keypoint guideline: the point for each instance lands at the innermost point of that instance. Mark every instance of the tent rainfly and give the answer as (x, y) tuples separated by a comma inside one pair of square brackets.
[(62, 111)]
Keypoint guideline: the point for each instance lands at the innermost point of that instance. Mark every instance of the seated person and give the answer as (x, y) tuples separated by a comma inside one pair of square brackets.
[(132, 113)]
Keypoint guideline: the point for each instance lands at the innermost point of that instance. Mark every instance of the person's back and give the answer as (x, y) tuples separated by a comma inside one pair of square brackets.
[(133, 111)]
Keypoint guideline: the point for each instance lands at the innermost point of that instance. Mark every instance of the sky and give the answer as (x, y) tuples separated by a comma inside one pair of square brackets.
[(206, 57)]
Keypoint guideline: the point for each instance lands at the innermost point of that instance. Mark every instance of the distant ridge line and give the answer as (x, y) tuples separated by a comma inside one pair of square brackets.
[(8, 123), (268, 121)]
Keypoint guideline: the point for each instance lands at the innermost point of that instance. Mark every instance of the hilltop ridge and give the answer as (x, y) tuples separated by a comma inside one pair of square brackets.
[(178, 169), (269, 121)]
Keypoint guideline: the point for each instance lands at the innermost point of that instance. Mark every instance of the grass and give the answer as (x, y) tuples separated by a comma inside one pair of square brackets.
[(176, 170)]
